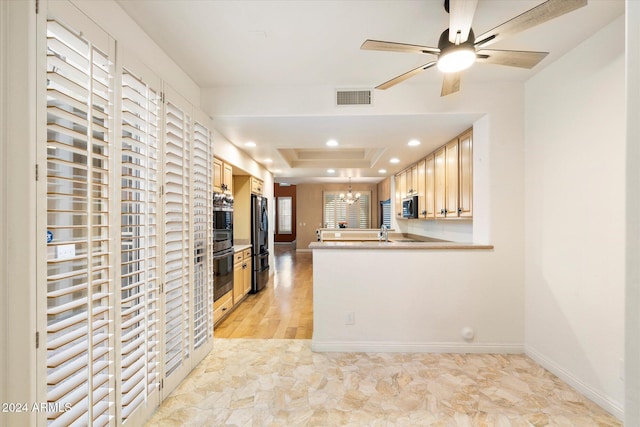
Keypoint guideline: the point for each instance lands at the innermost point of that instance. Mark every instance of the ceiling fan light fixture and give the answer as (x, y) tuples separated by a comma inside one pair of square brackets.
[(456, 58)]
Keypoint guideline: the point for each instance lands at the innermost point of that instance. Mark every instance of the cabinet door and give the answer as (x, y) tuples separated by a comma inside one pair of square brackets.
[(439, 183), (398, 195), (227, 178), (429, 183), (465, 146), (217, 175), (247, 275), (422, 199), (238, 282), (412, 180), (403, 186), (408, 182), (451, 168), (256, 186)]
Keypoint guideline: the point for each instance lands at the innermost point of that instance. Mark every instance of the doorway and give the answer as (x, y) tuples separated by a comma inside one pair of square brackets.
[(285, 214)]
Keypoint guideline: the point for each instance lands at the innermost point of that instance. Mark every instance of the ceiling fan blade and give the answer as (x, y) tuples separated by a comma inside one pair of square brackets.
[(460, 16), (405, 76), (398, 47), (511, 58), (450, 83), (536, 16)]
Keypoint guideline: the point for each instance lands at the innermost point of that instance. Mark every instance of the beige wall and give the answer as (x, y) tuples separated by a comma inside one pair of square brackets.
[(309, 208)]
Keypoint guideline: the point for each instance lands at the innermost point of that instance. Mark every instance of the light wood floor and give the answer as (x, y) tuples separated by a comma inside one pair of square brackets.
[(283, 309)]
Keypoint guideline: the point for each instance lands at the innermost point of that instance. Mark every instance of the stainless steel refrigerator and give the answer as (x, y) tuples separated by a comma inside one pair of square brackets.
[(260, 242)]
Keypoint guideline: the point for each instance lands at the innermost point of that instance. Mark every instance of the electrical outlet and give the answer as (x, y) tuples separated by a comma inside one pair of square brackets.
[(338, 234), (349, 318), (65, 251)]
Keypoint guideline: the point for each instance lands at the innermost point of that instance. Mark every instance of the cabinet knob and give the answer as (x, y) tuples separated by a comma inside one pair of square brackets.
[(459, 210)]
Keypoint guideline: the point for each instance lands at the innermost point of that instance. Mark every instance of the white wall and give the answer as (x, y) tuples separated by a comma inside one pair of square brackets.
[(415, 300), (575, 231), (632, 314)]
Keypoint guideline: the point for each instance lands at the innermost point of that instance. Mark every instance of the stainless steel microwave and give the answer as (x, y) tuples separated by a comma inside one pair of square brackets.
[(410, 207)]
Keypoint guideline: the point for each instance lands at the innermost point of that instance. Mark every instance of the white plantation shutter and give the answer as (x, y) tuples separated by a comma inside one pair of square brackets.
[(79, 303), (139, 288), (363, 217), (285, 215), (177, 246), (357, 215), (203, 236)]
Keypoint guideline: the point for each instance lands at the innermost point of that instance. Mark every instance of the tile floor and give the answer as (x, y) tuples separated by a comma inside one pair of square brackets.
[(253, 382)]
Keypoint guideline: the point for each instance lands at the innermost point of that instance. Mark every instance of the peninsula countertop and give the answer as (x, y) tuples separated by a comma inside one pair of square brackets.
[(391, 245)]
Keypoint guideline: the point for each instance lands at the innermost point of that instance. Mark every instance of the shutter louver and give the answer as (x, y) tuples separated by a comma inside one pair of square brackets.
[(79, 338), (139, 295), (203, 235), (177, 246)]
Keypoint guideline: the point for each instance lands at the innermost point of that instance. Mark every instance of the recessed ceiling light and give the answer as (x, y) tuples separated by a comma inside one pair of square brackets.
[(413, 143), (331, 171), (250, 144), (332, 143), (268, 160), (382, 171), (394, 160)]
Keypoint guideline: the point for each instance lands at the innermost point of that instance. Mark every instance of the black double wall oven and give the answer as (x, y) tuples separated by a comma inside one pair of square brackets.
[(222, 244)]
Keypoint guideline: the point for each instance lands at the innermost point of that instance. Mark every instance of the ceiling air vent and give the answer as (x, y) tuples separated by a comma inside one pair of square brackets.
[(353, 97)]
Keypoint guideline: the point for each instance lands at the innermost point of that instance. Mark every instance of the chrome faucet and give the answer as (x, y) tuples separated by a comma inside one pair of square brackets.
[(384, 233)]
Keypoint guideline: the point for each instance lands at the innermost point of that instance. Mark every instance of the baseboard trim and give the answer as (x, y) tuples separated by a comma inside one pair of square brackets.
[(609, 405), (403, 347), (303, 250)]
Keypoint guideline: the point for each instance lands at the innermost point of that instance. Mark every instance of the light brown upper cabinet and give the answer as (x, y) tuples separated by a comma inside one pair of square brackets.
[(443, 181), (440, 183), (217, 175), (422, 209), (412, 180), (430, 187), (257, 186), (398, 193), (222, 177), (452, 179), (465, 148)]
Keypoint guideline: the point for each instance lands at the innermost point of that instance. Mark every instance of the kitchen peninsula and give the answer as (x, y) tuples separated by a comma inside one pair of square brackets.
[(428, 296)]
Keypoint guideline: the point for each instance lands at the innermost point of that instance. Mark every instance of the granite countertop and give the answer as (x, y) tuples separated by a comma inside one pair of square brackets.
[(238, 248), (396, 245)]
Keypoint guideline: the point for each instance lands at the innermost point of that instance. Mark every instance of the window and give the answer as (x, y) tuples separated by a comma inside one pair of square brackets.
[(339, 214), (284, 215)]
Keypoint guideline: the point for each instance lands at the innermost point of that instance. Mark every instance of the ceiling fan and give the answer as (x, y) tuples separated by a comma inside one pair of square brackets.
[(458, 48)]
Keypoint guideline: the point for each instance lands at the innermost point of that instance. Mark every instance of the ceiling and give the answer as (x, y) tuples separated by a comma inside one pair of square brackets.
[(305, 43)]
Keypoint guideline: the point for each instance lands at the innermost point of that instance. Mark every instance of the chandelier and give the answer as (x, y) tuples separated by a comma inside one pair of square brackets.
[(349, 198)]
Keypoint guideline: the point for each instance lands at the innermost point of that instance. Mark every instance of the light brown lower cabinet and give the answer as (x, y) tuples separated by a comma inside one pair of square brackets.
[(241, 275), (222, 306), (247, 270)]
